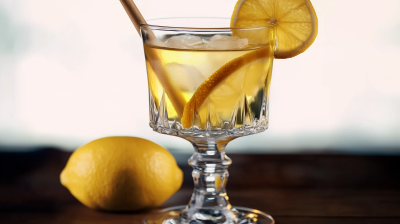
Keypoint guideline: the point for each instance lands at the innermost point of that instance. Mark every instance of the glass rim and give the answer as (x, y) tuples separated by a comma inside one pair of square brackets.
[(162, 27)]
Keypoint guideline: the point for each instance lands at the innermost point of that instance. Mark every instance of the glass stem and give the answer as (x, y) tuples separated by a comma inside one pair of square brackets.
[(209, 202)]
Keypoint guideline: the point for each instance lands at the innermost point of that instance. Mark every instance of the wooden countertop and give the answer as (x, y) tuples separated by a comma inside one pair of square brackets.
[(294, 189)]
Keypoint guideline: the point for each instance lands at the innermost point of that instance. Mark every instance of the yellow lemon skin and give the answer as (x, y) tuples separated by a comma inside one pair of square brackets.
[(121, 174)]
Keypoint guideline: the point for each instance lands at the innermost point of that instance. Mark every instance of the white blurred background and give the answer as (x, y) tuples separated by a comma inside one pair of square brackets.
[(74, 71)]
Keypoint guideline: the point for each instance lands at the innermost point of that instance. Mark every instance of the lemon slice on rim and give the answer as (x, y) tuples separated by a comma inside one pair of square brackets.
[(295, 22)]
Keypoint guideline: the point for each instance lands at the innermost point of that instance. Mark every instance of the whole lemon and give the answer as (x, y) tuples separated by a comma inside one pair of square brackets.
[(121, 173)]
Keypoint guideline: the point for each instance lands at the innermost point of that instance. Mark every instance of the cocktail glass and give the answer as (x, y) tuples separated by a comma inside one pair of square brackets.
[(208, 84)]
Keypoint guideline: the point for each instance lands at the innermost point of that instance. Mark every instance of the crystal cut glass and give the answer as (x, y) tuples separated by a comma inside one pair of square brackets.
[(209, 84)]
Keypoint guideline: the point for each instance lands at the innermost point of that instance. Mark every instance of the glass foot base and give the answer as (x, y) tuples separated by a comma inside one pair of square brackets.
[(244, 216)]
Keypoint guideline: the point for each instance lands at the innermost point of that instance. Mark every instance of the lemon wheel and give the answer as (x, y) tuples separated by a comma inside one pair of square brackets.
[(295, 22)]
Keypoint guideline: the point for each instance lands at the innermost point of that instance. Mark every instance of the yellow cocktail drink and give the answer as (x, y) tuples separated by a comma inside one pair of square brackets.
[(209, 89), (209, 84)]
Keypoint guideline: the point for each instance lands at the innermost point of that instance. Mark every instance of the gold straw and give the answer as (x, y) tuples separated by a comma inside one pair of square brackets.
[(177, 99), (133, 13)]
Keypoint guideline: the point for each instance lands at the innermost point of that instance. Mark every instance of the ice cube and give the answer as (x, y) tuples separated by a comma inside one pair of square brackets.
[(157, 42), (223, 42), (184, 77), (184, 41)]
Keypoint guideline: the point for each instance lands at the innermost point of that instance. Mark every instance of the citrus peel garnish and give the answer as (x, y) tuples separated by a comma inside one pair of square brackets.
[(204, 90), (295, 22)]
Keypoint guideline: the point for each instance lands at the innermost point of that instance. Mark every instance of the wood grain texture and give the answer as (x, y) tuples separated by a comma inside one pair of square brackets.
[(292, 188)]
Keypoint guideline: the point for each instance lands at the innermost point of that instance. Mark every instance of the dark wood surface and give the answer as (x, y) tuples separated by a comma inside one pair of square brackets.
[(294, 189)]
